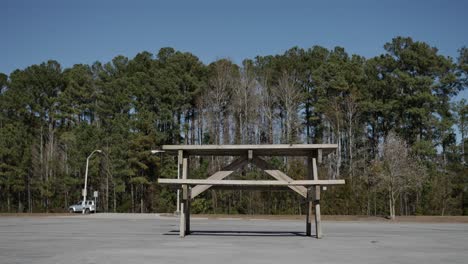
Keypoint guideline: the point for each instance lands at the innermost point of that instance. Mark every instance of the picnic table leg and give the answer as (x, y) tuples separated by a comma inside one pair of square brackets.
[(318, 220), (182, 216), (309, 214), (184, 205), (309, 198), (187, 214)]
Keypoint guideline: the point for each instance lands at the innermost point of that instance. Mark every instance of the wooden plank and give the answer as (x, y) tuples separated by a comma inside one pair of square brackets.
[(226, 171), (273, 188), (280, 176), (250, 147), (249, 182), (219, 175), (259, 150), (317, 182), (249, 188), (180, 156), (314, 169), (262, 164)]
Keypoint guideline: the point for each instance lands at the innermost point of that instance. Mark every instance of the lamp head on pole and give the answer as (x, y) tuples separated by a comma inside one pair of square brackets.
[(156, 151)]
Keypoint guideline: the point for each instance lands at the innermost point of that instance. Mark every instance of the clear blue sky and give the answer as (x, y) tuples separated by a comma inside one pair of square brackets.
[(85, 31)]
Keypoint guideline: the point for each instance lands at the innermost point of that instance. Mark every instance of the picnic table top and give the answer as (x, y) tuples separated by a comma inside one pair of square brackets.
[(258, 150)]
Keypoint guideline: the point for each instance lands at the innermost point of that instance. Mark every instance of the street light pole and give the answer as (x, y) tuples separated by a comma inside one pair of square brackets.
[(86, 179)]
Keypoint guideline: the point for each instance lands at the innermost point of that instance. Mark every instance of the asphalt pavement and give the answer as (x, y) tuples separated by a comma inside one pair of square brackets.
[(152, 238)]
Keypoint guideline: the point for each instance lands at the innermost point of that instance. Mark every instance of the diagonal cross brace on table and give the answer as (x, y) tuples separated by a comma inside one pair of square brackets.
[(309, 188)]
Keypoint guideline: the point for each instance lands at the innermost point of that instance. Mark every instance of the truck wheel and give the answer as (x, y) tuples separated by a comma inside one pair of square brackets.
[(71, 211), (87, 211)]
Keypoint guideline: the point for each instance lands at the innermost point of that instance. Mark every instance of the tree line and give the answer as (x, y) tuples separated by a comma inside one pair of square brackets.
[(393, 117)]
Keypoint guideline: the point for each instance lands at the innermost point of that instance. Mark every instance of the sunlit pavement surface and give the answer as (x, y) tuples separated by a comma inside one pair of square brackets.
[(151, 238)]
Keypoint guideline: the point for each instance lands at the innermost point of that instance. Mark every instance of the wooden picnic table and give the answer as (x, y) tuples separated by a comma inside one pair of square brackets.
[(253, 154)]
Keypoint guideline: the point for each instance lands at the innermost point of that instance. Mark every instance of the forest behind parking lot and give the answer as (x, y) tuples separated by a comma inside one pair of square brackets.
[(399, 129)]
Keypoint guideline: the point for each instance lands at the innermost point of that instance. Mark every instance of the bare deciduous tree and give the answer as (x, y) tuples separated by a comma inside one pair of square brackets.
[(218, 96), (334, 115), (350, 110), (266, 107), (244, 104), (398, 171), (289, 97)]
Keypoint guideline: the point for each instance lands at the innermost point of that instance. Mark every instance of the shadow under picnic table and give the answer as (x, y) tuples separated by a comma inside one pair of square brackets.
[(239, 233)]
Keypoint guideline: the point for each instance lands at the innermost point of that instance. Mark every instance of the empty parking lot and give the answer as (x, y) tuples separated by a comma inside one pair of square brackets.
[(122, 238)]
